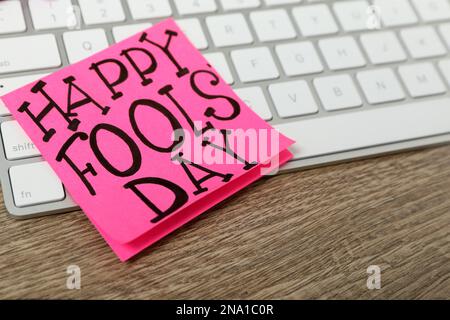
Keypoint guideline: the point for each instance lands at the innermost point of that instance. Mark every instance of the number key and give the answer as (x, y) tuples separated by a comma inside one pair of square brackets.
[(195, 6), (11, 17), (101, 11), (147, 9), (50, 14)]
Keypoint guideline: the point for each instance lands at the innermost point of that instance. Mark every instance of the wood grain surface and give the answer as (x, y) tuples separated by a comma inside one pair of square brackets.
[(309, 234)]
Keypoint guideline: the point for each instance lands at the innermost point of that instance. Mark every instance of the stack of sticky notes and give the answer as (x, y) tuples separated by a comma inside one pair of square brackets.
[(145, 136)]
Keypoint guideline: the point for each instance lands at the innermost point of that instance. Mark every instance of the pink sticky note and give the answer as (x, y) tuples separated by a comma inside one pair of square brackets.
[(145, 136)]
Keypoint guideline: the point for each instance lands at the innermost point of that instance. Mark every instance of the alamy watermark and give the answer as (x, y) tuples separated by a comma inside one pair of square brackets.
[(244, 147), (374, 278), (373, 21), (73, 281)]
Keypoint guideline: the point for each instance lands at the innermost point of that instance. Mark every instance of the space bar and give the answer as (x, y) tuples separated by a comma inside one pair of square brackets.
[(371, 127)]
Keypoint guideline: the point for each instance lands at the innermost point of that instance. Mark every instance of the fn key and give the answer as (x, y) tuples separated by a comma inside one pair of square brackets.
[(35, 183)]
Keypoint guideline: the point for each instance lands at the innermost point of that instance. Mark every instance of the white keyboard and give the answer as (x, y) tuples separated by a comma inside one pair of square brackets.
[(319, 71)]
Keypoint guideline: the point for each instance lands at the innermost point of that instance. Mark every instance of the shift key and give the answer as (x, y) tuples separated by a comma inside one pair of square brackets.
[(28, 53), (16, 142)]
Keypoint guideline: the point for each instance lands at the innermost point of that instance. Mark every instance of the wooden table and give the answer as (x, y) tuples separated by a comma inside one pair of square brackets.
[(308, 234)]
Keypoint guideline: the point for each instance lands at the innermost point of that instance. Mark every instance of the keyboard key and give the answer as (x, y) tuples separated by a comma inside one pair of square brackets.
[(293, 99), (380, 86), (342, 53), (122, 32), (337, 92), (16, 142), (422, 42), (299, 58), (254, 98), (367, 128), (11, 17), (218, 61), (193, 30), (315, 20), (14, 58), (254, 64), (82, 44), (396, 12), (352, 14), (149, 9), (50, 14), (229, 30), (101, 11), (383, 47), (445, 68), (239, 4), (272, 25), (3, 109), (445, 32), (280, 2), (195, 6), (35, 183), (433, 10), (9, 84), (421, 80)]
